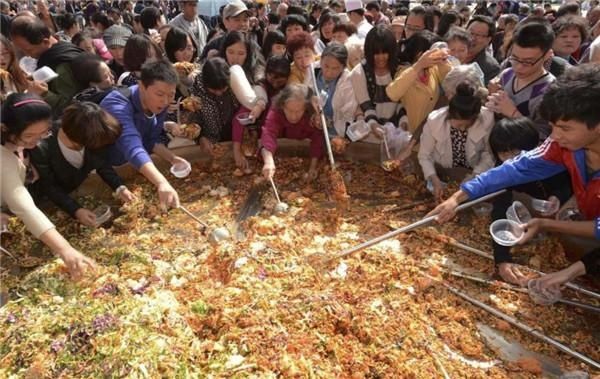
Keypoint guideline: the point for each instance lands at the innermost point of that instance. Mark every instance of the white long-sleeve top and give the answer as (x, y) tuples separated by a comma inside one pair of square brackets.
[(436, 144)]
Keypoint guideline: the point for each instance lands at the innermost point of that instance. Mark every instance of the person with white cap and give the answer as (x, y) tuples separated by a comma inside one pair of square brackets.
[(189, 21), (236, 18), (356, 13)]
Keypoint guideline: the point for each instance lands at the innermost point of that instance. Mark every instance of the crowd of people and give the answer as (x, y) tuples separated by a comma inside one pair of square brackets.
[(494, 95)]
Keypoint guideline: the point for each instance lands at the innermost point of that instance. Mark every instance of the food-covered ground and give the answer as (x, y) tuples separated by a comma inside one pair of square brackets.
[(167, 303)]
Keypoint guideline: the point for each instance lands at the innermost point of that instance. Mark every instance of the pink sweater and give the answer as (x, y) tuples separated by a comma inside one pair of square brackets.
[(277, 126)]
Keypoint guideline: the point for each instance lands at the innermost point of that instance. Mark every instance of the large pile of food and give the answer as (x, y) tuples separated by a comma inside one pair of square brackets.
[(167, 303)]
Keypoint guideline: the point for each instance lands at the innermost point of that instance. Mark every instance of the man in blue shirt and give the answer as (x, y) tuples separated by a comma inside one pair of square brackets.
[(142, 115)]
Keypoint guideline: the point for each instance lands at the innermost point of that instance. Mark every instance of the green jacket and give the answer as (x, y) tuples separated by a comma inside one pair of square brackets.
[(61, 90)]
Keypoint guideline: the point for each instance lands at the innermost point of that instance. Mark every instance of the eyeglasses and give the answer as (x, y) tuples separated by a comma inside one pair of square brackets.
[(512, 59), (413, 28)]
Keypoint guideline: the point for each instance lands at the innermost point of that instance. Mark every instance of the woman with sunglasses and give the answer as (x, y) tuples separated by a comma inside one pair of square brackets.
[(26, 120)]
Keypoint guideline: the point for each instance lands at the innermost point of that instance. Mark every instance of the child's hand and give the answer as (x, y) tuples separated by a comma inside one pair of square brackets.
[(86, 217)]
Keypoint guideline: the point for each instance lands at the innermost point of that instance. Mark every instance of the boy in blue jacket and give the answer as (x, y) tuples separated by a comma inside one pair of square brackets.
[(142, 115)]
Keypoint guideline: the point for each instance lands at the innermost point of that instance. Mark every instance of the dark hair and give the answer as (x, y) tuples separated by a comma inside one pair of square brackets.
[(177, 40), (486, 20), (80, 37), (251, 62), (567, 9), (272, 38), (293, 19), (136, 51), (447, 21), (380, 39), (417, 44), (457, 33), (87, 69), (465, 104), (149, 17), (278, 65), (325, 18), (571, 21), (273, 18), (34, 31), (101, 128), (215, 73), (19, 111), (346, 27), (513, 134), (337, 51), (300, 41), (158, 70), (373, 5), (66, 21), (427, 15), (575, 95), (534, 34), (102, 19)]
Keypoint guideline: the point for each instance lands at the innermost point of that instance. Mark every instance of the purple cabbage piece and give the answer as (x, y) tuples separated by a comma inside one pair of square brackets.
[(104, 322), (11, 318), (56, 346)]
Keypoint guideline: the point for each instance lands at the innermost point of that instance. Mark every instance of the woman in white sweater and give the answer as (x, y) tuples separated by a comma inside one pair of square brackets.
[(454, 144), (26, 119)]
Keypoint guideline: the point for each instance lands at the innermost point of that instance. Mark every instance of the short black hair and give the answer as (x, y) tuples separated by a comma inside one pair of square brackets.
[(575, 95), (272, 38), (418, 43), (373, 5), (102, 19), (19, 111), (569, 8), (101, 128), (159, 70), (149, 17), (278, 65), (571, 21), (273, 18), (32, 30), (177, 40), (465, 104), (215, 73), (86, 69), (513, 134), (536, 33), (66, 21), (294, 19), (447, 21), (427, 15), (491, 24), (80, 37), (337, 51), (380, 39)]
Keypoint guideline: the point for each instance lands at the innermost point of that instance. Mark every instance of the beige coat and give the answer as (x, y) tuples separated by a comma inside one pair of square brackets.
[(16, 197), (436, 145)]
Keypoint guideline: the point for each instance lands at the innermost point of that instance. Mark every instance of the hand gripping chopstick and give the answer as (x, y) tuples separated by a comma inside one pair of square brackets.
[(323, 120)]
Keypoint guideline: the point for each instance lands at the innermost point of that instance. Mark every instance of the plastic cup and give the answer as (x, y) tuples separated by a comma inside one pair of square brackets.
[(506, 232), (181, 170), (545, 207), (518, 213), (482, 209), (28, 64), (542, 296), (103, 214), (245, 119), (44, 74)]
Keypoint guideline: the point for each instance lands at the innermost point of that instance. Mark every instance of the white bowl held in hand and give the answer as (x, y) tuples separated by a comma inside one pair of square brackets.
[(181, 169), (506, 232)]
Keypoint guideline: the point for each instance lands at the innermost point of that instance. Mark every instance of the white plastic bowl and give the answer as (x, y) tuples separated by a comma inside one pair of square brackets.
[(245, 119), (506, 232), (181, 170), (542, 296), (103, 214), (518, 213), (545, 207)]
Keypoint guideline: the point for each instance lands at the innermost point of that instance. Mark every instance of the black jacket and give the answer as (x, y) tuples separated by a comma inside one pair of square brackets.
[(58, 177)]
